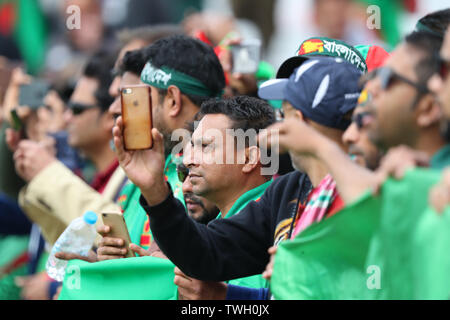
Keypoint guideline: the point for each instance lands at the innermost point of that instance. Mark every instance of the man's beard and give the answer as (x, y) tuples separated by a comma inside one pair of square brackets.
[(207, 215)]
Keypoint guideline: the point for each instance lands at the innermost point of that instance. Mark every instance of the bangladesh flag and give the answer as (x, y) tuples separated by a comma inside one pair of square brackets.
[(387, 247), (23, 21), (141, 278)]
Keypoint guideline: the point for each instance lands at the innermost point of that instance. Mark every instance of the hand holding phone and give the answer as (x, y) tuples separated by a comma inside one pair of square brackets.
[(119, 229), (137, 117)]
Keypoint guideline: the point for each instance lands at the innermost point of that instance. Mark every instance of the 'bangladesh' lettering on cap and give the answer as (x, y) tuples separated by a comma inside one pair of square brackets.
[(332, 48)]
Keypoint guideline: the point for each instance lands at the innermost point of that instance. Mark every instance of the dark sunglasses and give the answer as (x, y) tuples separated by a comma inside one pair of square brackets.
[(182, 172), (359, 118), (79, 108), (444, 67), (388, 77)]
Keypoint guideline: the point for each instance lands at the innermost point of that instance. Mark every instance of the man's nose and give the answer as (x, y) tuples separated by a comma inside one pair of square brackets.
[(351, 135), (114, 88), (115, 107)]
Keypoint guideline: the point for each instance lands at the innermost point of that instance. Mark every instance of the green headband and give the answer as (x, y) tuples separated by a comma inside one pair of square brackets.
[(164, 77)]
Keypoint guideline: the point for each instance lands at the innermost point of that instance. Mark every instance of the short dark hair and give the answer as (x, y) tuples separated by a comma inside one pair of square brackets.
[(99, 67), (429, 44), (189, 56), (245, 112), (435, 22), (133, 61)]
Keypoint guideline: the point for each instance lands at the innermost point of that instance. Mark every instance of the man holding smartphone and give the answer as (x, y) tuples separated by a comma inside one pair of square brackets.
[(182, 72)]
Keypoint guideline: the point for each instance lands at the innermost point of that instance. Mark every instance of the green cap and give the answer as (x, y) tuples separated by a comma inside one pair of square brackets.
[(322, 46)]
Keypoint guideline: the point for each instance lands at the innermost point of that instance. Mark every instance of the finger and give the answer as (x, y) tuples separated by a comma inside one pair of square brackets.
[(70, 256), (21, 281), (111, 242), (180, 273), (12, 139), (139, 250), (272, 250), (182, 282), (109, 257), (103, 230), (158, 141), (118, 135)]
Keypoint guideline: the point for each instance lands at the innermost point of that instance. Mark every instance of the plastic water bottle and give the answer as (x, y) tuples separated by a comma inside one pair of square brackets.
[(77, 238)]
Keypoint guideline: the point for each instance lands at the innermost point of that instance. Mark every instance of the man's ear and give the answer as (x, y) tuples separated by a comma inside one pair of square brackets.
[(173, 101), (107, 121), (429, 112), (252, 159)]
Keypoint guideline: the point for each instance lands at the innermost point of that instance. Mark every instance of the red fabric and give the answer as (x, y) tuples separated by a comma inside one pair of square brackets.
[(376, 57), (336, 206), (101, 178)]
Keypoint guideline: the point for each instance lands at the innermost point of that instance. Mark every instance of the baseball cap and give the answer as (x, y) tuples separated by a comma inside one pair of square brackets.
[(322, 46), (323, 89)]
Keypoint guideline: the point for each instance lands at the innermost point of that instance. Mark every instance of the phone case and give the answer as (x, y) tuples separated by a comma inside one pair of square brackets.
[(118, 229), (137, 117)]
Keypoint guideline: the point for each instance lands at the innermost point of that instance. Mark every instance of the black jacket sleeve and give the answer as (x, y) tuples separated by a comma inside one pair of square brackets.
[(225, 249)]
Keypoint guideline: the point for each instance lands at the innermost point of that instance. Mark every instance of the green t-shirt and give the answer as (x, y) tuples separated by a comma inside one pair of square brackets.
[(256, 281), (135, 216), (441, 159)]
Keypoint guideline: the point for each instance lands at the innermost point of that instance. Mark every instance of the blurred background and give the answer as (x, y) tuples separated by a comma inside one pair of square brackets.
[(42, 36)]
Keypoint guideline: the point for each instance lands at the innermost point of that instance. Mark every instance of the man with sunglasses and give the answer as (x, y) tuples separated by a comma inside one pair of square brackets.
[(198, 208), (51, 196), (360, 148)]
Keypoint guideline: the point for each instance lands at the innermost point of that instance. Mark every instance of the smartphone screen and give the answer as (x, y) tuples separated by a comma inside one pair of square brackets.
[(245, 56), (137, 117), (33, 94)]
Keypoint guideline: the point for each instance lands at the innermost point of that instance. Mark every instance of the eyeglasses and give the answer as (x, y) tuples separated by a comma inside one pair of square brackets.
[(444, 67), (182, 172), (358, 119), (388, 77), (79, 108)]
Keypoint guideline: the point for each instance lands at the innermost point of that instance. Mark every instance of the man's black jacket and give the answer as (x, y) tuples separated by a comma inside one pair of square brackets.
[(230, 248)]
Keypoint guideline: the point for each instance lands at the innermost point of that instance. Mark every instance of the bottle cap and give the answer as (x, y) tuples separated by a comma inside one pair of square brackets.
[(90, 217)]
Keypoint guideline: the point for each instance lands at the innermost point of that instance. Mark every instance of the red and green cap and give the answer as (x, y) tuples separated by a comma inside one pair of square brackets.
[(322, 46)]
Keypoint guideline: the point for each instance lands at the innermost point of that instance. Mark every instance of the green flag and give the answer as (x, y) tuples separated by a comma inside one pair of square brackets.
[(142, 278), (11, 248), (24, 21), (386, 247)]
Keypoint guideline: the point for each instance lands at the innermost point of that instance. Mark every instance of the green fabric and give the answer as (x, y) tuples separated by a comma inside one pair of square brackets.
[(41, 266), (256, 281), (134, 215), (11, 247), (163, 77), (30, 34), (143, 278), (390, 15), (441, 159), (393, 236)]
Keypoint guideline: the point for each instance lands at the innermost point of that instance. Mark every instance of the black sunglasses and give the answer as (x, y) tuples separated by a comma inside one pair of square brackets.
[(388, 77), (182, 172), (359, 118), (79, 108)]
